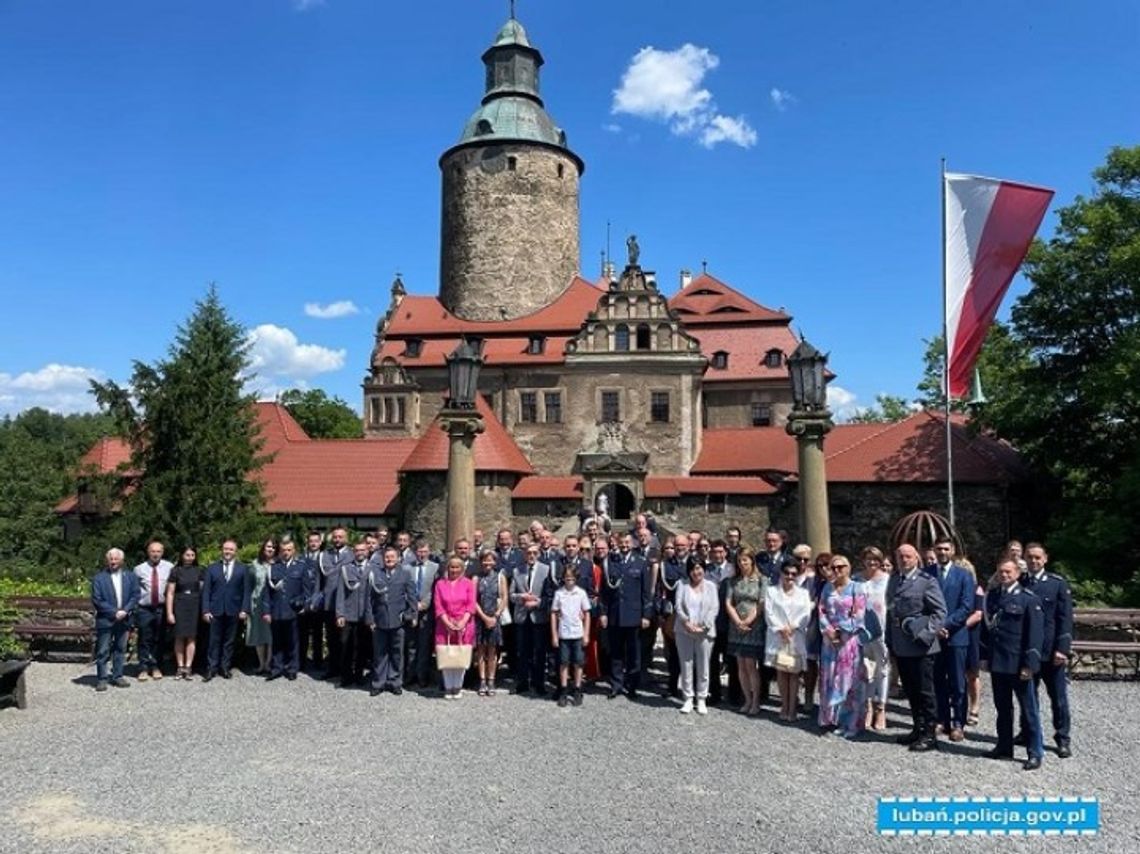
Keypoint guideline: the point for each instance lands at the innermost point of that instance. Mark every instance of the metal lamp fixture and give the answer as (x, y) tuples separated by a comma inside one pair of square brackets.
[(463, 365), (808, 368)]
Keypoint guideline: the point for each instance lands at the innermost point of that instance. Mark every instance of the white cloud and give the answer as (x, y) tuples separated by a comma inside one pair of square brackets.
[(58, 388), (841, 402), (611, 127), (341, 308), (276, 354), (781, 98), (665, 86)]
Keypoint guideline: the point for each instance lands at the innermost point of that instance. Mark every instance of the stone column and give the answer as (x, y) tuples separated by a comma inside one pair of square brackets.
[(461, 426), (809, 428)]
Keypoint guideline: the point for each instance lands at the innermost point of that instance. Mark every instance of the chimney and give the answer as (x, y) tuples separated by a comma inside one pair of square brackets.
[(686, 278)]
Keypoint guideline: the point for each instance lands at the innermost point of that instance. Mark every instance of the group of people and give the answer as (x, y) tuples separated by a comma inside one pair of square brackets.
[(590, 608)]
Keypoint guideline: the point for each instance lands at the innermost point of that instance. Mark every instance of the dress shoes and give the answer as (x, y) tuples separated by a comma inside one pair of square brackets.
[(998, 753), (1021, 740), (227, 674), (956, 734), (612, 694), (273, 676), (397, 690), (631, 695), (927, 742), (292, 677), (120, 683), (1063, 750), (100, 687), (208, 676), (909, 738), (374, 692), (1032, 763)]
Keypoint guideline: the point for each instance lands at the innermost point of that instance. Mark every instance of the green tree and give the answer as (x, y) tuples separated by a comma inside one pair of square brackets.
[(1002, 359), (194, 434), (322, 417), (887, 408)]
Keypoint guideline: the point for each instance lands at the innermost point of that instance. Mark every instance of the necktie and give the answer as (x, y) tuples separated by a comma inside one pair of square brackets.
[(227, 572), (529, 577), (154, 586), (419, 579)]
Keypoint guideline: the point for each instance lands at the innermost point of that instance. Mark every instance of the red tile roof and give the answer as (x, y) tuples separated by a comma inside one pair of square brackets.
[(496, 351), (555, 488), (548, 487), (909, 451), (422, 316), (708, 300), (746, 349), (495, 450), (106, 455)]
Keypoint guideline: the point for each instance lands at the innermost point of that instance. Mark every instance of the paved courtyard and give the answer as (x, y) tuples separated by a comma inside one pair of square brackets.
[(246, 766)]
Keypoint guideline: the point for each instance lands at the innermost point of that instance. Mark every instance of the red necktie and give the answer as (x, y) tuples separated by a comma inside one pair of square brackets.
[(154, 587)]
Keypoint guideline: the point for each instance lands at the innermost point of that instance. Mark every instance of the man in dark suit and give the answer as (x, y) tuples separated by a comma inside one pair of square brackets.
[(311, 622), (392, 604), (1012, 633), (719, 571), (628, 595), (771, 561), (332, 561), (1057, 639), (114, 598), (508, 559), (673, 573), (286, 594), (529, 617), (351, 609), (224, 605), (953, 640), (915, 611), (420, 640)]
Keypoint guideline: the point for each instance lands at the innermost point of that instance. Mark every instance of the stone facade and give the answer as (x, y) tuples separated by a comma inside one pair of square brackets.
[(731, 404), (423, 496), (509, 233)]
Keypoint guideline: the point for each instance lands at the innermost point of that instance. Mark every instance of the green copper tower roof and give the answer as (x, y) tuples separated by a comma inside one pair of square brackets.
[(512, 109)]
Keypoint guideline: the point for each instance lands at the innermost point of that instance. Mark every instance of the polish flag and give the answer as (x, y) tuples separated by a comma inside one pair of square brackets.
[(989, 226)]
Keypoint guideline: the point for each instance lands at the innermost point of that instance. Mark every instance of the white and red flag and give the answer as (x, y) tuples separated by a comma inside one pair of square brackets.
[(989, 226)]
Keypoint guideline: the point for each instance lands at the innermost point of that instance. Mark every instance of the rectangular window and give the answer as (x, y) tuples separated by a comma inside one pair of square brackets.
[(761, 415), (716, 503), (528, 407), (659, 407), (553, 401), (611, 407)]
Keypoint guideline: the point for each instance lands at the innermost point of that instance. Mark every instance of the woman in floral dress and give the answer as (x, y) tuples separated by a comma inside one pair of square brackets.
[(744, 604), (842, 689)]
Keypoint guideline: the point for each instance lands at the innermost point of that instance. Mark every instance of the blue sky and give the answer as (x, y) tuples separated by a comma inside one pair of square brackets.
[(288, 151)]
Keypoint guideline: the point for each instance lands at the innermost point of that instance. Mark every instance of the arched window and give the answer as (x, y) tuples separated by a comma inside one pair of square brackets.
[(621, 338), (643, 336)]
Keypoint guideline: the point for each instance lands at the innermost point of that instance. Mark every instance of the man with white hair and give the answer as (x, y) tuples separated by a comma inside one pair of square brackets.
[(114, 597)]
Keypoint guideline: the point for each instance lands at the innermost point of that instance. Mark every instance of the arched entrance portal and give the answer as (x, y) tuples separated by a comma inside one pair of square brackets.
[(622, 502)]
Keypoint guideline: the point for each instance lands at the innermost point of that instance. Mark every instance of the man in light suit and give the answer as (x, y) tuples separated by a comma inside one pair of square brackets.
[(392, 604), (628, 592), (420, 640), (285, 596), (115, 598), (915, 611), (529, 617), (953, 640), (224, 605), (332, 560)]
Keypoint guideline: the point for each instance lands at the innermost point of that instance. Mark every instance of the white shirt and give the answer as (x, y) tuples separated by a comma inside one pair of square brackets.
[(570, 605), (143, 572), (117, 584)]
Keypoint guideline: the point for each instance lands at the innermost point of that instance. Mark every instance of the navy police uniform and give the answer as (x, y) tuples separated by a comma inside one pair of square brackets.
[(392, 604), (915, 611), (1056, 636), (351, 604), (286, 594), (1011, 643), (628, 598)]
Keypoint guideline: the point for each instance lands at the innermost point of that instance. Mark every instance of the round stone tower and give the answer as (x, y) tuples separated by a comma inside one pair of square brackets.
[(509, 236)]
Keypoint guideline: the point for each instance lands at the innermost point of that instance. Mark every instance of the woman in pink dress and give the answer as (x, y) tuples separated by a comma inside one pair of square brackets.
[(454, 611)]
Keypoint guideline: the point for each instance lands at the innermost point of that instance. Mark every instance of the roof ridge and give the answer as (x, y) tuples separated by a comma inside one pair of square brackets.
[(887, 427)]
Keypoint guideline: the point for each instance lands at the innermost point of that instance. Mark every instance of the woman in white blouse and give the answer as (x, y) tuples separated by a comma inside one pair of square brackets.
[(694, 625), (787, 612)]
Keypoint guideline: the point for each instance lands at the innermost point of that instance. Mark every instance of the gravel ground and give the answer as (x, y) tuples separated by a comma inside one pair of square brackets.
[(302, 766)]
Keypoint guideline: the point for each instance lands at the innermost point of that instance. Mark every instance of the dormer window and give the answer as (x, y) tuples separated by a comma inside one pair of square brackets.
[(774, 359), (536, 346), (621, 338), (719, 360), (413, 347)]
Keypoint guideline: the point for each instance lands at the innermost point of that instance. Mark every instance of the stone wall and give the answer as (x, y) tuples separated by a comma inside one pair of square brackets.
[(731, 405), (424, 497), (509, 229)]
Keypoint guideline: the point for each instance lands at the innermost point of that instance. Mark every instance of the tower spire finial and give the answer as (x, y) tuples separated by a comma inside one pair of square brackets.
[(512, 9)]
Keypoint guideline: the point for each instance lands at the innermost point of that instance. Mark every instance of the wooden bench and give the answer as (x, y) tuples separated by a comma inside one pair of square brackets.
[(73, 643)]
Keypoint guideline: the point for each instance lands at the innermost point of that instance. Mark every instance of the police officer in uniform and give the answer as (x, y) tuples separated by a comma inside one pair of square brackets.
[(286, 594), (1056, 644), (1011, 646), (351, 607), (915, 611), (672, 573), (629, 605), (332, 561), (392, 604)]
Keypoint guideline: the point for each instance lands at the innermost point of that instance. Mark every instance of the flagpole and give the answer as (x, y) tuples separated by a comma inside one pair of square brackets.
[(946, 363)]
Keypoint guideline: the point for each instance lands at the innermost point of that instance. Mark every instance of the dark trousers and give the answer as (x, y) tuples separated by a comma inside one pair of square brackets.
[(648, 640), (151, 625), (1006, 686), (387, 658), (625, 657), (354, 644), (533, 641), (418, 643), (223, 633), (286, 648), (950, 686), (1056, 679), (310, 627), (916, 673), (336, 647), (111, 643), (673, 661)]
